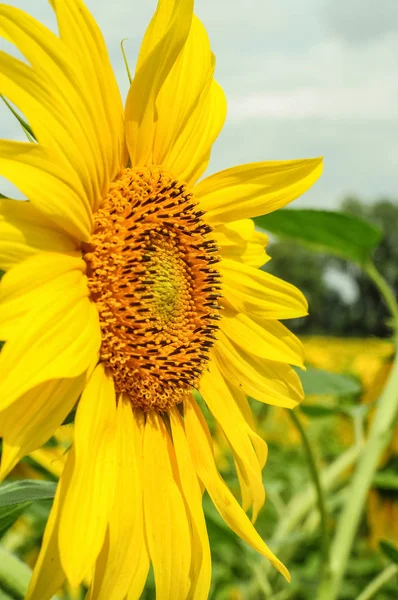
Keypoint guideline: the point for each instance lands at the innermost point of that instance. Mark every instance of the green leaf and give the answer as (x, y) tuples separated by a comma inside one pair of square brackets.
[(389, 550), (386, 480), (317, 410), (325, 231), (3, 196), (26, 490), (9, 514), (322, 383)]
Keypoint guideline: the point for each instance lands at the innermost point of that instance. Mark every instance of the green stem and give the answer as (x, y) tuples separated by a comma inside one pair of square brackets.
[(260, 583), (302, 503), (14, 575), (283, 595), (384, 290), (378, 439), (377, 583), (318, 487), (126, 64)]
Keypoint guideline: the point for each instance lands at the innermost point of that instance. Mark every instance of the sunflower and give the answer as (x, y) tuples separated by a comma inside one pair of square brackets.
[(134, 291)]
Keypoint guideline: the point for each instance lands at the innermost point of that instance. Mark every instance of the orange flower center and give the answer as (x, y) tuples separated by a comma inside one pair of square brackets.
[(150, 268)]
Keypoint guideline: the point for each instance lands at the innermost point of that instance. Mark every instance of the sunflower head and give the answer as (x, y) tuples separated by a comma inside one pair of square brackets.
[(131, 287), (151, 272)]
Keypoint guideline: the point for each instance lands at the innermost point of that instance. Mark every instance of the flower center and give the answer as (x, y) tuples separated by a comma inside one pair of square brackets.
[(150, 268)]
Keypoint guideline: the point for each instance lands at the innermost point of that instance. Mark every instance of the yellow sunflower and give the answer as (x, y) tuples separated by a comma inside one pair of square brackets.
[(128, 287)]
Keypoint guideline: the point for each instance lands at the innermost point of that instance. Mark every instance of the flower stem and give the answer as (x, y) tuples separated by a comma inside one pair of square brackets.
[(384, 289), (318, 487), (378, 439), (14, 576), (301, 504), (377, 583)]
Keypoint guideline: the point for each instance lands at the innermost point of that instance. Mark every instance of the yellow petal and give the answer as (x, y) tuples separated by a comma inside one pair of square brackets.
[(141, 567), (58, 338), (190, 109), (204, 127), (265, 339), (239, 232), (158, 27), (24, 231), (48, 575), (197, 436), (84, 40), (245, 490), (65, 83), (163, 42), (259, 444), (37, 173), (51, 459), (222, 405), (241, 242), (256, 188), (30, 282), (30, 422), (175, 109), (264, 380), (252, 291), (166, 520), (90, 494), (20, 84), (115, 572), (141, 558), (201, 559)]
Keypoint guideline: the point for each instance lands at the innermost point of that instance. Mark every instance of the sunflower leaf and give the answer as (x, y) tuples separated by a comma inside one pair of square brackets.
[(27, 490), (317, 410), (9, 514), (325, 231), (323, 383), (389, 550)]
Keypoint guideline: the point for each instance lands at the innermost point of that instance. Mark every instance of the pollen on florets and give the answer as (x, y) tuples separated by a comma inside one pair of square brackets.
[(151, 272)]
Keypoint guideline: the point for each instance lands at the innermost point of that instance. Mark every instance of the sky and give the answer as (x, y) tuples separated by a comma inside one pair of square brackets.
[(303, 78)]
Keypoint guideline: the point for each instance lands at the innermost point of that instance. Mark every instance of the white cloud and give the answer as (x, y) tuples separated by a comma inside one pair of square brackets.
[(329, 80), (339, 102), (303, 78)]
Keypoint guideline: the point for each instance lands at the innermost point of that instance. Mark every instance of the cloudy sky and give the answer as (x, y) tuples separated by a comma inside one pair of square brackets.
[(303, 78)]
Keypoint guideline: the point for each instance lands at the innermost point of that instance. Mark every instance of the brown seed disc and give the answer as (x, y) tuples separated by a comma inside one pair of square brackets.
[(151, 271)]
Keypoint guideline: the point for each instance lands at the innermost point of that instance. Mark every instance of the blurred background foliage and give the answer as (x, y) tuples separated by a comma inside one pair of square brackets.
[(343, 301), (349, 355)]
